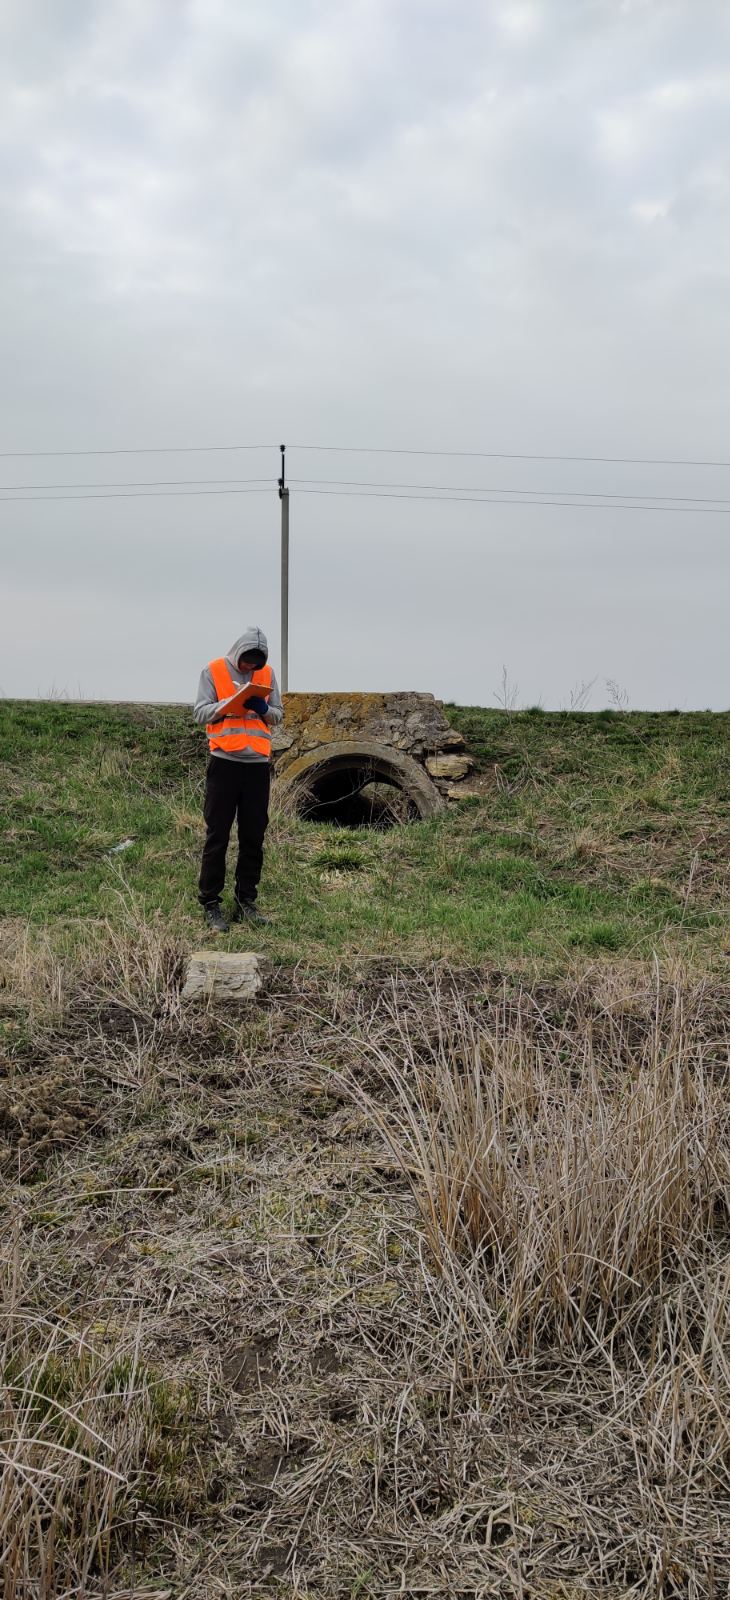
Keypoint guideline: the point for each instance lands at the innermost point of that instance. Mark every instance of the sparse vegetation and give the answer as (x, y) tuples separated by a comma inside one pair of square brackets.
[(414, 1275)]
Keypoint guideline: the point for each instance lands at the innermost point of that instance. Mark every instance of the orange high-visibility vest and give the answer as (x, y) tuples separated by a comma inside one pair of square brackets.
[(243, 730)]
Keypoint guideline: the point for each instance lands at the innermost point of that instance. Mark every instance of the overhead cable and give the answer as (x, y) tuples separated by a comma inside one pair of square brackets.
[(482, 500), (139, 450), (376, 494), (143, 494), (455, 488), (44, 489), (507, 455), (362, 449), (142, 483)]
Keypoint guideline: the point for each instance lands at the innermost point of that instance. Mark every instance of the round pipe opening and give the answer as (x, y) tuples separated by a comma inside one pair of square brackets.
[(355, 796), (360, 784)]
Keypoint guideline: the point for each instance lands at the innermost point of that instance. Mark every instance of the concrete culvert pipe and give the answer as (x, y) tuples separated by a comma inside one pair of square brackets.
[(360, 783)]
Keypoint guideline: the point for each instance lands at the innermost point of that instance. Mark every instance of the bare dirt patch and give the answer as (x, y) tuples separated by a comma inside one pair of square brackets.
[(43, 1109), (250, 1366)]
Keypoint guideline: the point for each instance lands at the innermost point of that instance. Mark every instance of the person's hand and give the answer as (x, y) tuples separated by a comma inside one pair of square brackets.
[(258, 705)]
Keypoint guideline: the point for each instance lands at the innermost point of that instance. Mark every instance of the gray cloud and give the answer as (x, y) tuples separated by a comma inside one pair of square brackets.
[(498, 227)]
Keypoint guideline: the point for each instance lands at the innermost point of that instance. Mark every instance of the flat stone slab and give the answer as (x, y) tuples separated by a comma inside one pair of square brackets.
[(452, 767), (223, 974)]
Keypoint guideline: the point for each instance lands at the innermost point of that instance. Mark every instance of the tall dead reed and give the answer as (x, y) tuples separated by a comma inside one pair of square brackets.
[(572, 1186)]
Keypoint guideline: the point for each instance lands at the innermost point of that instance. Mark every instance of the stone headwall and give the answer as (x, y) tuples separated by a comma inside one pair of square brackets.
[(407, 724)]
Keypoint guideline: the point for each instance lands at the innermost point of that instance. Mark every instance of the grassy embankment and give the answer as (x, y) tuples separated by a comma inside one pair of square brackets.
[(594, 833), (410, 1278)]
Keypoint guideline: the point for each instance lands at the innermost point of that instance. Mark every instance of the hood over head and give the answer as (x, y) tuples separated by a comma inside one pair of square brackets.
[(250, 639)]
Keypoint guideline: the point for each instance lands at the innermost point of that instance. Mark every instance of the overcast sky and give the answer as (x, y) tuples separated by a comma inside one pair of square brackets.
[(453, 225)]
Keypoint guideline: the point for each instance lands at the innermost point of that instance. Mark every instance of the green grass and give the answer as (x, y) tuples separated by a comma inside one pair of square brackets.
[(605, 833)]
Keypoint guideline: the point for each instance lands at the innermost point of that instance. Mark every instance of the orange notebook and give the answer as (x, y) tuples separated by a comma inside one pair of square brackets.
[(248, 691)]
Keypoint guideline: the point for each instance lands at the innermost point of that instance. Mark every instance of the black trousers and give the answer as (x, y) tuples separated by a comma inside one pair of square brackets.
[(234, 788)]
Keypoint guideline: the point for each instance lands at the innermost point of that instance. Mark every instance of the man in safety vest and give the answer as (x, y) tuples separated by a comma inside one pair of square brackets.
[(238, 700)]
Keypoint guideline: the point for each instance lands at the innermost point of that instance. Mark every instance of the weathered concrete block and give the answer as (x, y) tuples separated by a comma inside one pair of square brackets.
[(224, 974), (452, 767)]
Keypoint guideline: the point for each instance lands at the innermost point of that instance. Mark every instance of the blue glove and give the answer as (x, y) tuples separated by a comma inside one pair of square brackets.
[(258, 705)]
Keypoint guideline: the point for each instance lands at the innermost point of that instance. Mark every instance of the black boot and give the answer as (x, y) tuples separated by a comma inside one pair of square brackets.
[(214, 917), (247, 911)]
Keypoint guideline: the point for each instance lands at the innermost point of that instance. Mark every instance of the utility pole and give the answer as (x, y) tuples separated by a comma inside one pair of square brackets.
[(284, 498)]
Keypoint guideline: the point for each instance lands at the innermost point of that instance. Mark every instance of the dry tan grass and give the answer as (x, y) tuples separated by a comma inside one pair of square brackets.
[(83, 1444), (134, 961), (573, 1202), (31, 972), (445, 1263), (581, 1186)]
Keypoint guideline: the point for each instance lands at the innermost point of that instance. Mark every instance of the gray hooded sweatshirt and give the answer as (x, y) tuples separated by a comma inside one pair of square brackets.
[(208, 707)]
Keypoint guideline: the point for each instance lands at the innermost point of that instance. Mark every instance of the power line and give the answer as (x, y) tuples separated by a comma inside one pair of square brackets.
[(507, 455), (350, 483), (360, 449), (143, 483), (455, 488), (175, 494), (395, 492), (480, 500), (141, 450), (484, 499)]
